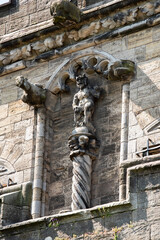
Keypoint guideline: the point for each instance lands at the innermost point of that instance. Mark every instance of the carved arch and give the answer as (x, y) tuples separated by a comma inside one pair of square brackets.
[(5, 167), (90, 61), (154, 126)]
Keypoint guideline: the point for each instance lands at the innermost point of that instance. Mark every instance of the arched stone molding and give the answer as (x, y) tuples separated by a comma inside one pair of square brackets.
[(5, 167), (90, 61), (153, 127)]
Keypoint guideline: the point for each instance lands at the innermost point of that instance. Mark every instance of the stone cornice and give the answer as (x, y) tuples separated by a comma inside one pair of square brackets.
[(53, 41), (30, 33)]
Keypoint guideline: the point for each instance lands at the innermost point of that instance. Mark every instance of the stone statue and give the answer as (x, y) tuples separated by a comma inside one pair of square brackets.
[(83, 143), (83, 102)]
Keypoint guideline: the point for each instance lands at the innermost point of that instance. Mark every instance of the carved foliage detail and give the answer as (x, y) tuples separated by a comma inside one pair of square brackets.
[(112, 69)]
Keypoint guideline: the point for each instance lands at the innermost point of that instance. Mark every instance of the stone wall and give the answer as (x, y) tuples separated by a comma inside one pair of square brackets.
[(134, 219), (108, 125), (22, 14), (126, 119)]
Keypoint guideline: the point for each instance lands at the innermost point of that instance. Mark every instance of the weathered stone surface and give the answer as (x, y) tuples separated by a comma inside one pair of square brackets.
[(65, 12), (34, 95)]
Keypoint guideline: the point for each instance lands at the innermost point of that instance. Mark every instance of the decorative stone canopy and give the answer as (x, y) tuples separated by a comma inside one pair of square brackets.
[(89, 62)]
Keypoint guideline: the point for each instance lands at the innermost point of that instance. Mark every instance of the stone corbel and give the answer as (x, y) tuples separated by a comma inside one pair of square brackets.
[(121, 70), (65, 13), (34, 95)]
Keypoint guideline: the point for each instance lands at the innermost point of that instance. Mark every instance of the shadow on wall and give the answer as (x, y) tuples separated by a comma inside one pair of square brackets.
[(145, 94), (123, 222)]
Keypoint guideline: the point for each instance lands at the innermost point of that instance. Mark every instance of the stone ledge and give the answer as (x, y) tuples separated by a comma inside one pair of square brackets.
[(142, 160), (79, 215)]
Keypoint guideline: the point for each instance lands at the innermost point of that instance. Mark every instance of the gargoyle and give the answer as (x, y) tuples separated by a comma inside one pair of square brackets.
[(34, 94), (65, 13)]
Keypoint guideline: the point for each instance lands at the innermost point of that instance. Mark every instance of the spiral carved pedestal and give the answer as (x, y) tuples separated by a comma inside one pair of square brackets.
[(83, 151), (81, 182)]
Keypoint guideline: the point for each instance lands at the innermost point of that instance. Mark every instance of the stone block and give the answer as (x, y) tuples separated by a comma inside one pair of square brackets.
[(28, 146), (126, 54), (56, 188), (140, 53), (28, 174), (144, 118), (3, 111), (22, 11), (32, 7), (56, 202), (139, 38), (10, 198), (135, 132), (42, 5), (10, 214), (8, 94), (3, 29), (139, 231), (151, 67), (6, 129), (7, 149), (16, 152), (132, 146), (152, 50), (23, 162), (156, 33), (134, 94), (28, 114), (113, 47), (40, 16), (22, 124), (17, 107), (132, 119), (155, 230), (144, 90), (152, 213), (17, 24)]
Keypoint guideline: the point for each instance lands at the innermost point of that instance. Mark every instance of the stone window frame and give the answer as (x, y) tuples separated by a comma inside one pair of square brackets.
[(4, 3)]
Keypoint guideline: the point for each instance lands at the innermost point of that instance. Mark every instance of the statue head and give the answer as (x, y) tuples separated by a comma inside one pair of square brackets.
[(82, 81)]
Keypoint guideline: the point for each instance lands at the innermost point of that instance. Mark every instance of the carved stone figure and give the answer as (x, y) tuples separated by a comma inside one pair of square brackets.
[(65, 12), (83, 102), (82, 143), (35, 94)]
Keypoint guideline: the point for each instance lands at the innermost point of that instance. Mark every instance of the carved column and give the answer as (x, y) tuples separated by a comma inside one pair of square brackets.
[(83, 150), (83, 143), (35, 96)]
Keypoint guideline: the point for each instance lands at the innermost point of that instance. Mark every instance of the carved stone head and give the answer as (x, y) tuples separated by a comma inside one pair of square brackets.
[(81, 81), (64, 10)]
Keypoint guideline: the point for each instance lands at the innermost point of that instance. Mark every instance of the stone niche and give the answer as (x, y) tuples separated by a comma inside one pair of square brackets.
[(55, 125), (106, 121)]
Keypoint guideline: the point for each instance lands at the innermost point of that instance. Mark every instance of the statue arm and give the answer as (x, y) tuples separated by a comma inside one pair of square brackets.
[(75, 101), (95, 91)]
